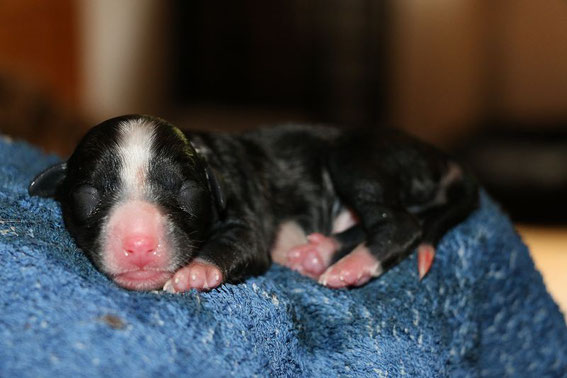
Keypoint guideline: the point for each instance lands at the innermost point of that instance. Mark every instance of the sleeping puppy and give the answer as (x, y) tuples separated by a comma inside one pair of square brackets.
[(155, 207)]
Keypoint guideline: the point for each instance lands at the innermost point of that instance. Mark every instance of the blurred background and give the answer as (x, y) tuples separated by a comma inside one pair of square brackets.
[(483, 79)]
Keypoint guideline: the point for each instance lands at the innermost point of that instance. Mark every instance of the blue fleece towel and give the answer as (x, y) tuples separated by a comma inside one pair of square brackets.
[(482, 310)]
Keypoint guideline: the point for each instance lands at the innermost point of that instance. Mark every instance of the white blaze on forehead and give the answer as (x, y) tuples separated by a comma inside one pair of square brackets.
[(135, 151)]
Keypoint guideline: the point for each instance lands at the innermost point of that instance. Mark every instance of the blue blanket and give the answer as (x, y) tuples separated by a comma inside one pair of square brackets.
[(482, 310)]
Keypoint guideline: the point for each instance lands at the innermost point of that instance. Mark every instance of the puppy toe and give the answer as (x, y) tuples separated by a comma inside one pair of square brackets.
[(296, 256), (326, 246), (312, 264), (214, 276), (168, 286), (311, 259)]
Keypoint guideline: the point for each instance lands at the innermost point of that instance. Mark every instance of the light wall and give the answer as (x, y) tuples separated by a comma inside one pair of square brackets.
[(115, 38), (458, 62)]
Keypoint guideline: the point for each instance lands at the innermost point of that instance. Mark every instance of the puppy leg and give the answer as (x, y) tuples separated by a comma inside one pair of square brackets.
[(461, 197), (373, 192), (233, 252), (392, 232), (388, 241)]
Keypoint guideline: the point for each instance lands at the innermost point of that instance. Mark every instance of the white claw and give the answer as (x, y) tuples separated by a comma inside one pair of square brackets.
[(168, 286), (323, 280)]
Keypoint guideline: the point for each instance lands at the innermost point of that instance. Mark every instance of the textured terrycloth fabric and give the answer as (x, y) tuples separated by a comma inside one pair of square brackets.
[(482, 310)]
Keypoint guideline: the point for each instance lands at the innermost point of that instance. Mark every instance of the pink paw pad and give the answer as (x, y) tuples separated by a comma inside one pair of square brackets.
[(311, 259), (355, 269), (199, 275)]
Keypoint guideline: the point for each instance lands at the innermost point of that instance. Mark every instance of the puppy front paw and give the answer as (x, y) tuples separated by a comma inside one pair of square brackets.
[(199, 274)]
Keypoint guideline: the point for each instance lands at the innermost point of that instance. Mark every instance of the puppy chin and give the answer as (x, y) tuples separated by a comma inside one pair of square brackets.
[(142, 279)]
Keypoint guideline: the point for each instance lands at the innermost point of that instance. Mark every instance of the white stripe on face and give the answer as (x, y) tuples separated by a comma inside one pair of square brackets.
[(135, 151)]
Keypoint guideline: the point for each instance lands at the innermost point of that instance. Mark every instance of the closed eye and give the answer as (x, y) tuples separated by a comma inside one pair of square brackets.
[(190, 197), (85, 201)]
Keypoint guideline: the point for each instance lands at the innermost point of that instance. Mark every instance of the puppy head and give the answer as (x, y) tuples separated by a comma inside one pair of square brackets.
[(137, 198)]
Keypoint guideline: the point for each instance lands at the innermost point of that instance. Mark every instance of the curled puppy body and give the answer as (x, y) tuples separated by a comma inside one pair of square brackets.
[(152, 206)]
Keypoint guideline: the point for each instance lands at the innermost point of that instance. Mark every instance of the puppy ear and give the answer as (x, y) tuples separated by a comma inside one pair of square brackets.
[(215, 184), (47, 182), (216, 189)]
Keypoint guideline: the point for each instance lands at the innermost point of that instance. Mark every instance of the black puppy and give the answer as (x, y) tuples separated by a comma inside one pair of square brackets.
[(152, 206)]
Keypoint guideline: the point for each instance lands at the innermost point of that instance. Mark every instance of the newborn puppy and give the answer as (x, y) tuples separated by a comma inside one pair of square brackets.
[(154, 207)]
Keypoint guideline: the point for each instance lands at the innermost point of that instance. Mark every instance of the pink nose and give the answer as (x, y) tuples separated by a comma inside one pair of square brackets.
[(140, 248)]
